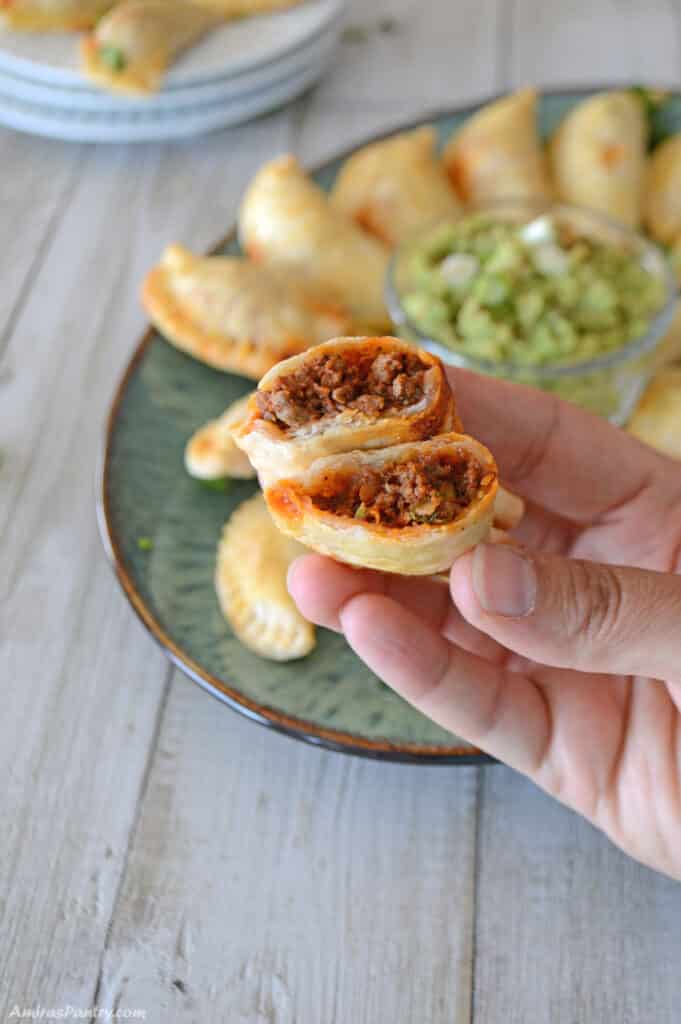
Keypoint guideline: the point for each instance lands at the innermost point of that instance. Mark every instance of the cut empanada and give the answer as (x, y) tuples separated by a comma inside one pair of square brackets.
[(237, 316), (662, 202), (497, 153), (657, 418), (52, 15), (286, 219), (345, 394), (411, 509), (212, 453), (137, 41), (396, 187), (250, 580), (598, 155)]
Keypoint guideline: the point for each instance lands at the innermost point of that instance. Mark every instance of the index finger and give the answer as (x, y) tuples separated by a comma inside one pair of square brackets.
[(560, 456)]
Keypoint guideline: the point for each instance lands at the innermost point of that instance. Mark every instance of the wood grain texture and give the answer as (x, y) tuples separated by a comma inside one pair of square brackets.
[(413, 56), (36, 180), (79, 718), (568, 929), (158, 851), (271, 882), (577, 41)]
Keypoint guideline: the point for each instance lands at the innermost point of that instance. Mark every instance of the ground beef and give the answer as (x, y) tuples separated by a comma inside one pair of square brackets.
[(425, 489), (373, 384)]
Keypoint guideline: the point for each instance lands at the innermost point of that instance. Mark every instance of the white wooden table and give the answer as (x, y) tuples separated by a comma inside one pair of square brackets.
[(160, 853)]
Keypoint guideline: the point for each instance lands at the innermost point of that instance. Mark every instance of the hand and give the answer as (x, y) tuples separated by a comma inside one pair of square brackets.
[(561, 656)]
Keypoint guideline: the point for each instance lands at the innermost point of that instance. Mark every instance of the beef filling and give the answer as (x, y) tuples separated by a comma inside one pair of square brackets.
[(373, 384), (425, 489)]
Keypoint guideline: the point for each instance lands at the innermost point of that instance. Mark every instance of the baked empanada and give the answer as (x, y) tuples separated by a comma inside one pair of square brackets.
[(250, 580), (345, 394), (598, 155), (411, 509), (246, 8), (134, 44), (52, 15), (286, 219), (396, 187), (662, 201), (212, 453), (657, 418), (237, 316), (497, 153)]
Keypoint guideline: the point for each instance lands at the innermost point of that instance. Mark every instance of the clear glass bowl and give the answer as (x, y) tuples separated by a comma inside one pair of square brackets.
[(609, 385)]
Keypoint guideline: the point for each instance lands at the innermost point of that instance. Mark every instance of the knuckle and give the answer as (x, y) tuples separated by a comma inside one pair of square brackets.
[(594, 602)]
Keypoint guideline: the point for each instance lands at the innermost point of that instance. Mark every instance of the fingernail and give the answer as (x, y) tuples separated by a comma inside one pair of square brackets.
[(504, 580)]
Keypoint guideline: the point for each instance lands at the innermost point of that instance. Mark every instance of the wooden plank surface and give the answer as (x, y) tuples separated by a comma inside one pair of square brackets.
[(159, 852), (568, 929), (271, 882), (85, 684), (582, 41)]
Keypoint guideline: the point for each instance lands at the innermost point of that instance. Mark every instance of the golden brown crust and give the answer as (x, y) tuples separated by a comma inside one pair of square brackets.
[(212, 453), (598, 155), (657, 418), (497, 153), (276, 451), (233, 315), (286, 219), (147, 35), (418, 550), (396, 187), (52, 15), (250, 580), (247, 8), (662, 198)]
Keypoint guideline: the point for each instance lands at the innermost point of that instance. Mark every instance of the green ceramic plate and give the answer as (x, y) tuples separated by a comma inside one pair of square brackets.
[(329, 698)]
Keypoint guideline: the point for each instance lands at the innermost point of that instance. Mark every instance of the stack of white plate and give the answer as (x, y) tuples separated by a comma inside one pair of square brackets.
[(243, 69)]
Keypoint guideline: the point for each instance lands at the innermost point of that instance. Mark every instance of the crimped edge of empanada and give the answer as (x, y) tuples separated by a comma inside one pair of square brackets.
[(276, 631), (215, 350), (212, 453)]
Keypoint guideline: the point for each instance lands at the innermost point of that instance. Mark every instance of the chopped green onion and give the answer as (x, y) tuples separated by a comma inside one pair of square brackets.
[(113, 57), (145, 543), (361, 511), (221, 484)]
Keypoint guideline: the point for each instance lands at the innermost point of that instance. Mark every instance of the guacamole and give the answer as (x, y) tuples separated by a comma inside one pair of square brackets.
[(532, 294)]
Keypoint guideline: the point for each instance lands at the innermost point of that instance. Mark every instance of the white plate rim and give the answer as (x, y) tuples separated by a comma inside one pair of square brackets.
[(210, 117), (177, 77), (99, 101)]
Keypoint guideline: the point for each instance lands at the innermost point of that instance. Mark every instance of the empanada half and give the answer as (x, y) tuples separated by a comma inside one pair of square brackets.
[(234, 315), (286, 219), (411, 509), (396, 187), (137, 41), (345, 394), (212, 453), (250, 580)]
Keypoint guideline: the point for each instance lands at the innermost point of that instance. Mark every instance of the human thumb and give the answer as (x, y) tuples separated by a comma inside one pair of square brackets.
[(572, 614)]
